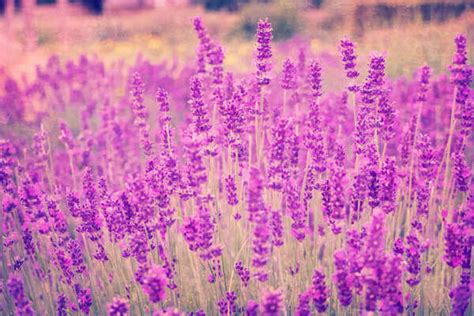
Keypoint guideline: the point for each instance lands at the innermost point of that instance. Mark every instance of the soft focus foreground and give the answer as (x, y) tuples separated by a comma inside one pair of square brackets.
[(191, 190)]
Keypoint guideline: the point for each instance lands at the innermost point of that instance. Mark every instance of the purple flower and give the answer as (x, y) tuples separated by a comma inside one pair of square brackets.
[(195, 173), (7, 164), (454, 244), (205, 44), (314, 140), (141, 114), (216, 59), (40, 146), (60, 224), (162, 98), (427, 160), (276, 225), (84, 298), (234, 119), (243, 273), (154, 284), (211, 278), (388, 186), (326, 196), (374, 260), (371, 91), (61, 308), (264, 52), (341, 278), (73, 204), (347, 49), (354, 250), (303, 308), (462, 173), (460, 57), (288, 80), (408, 142), (467, 118), (91, 222), (413, 257), (9, 204), (223, 306), (66, 136), (231, 190), (28, 241), (138, 246), (398, 247), (199, 109), (206, 234), (292, 147), (227, 305), (462, 293), (258, 214), (319, 291), (375, 240), (118, 307), (272, 303), (424, 74), (314, 78), (199, 313), (278, 169), (252, 308), (391, 287), (460, 297), (297, 213), (387, 117), (461, 76), (337, 176), (373, 187), (75, 252), (190, 232), (16, 290), (64, 263)]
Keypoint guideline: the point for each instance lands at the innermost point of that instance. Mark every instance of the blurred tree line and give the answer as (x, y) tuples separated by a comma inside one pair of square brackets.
[(234, 5), (212, 5), (94, 5), (284, 14)]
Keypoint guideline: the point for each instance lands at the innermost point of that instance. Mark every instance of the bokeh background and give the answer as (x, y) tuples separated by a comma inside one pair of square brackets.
[(410, 32)]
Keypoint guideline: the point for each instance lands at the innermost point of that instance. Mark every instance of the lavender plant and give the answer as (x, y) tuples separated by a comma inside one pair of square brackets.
[(197, 191)]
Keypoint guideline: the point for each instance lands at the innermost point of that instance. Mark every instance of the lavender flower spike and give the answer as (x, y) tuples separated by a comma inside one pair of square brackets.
[(272, 303), (347, 49), (288, 80), (118, 307), (264, 52), (16, 290), (154, 284)]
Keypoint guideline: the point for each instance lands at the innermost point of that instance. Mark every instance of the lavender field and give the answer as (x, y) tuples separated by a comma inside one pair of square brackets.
[(303, 187)]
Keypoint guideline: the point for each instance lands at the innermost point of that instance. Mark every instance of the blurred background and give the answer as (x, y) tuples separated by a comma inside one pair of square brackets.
[(410, 32)]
